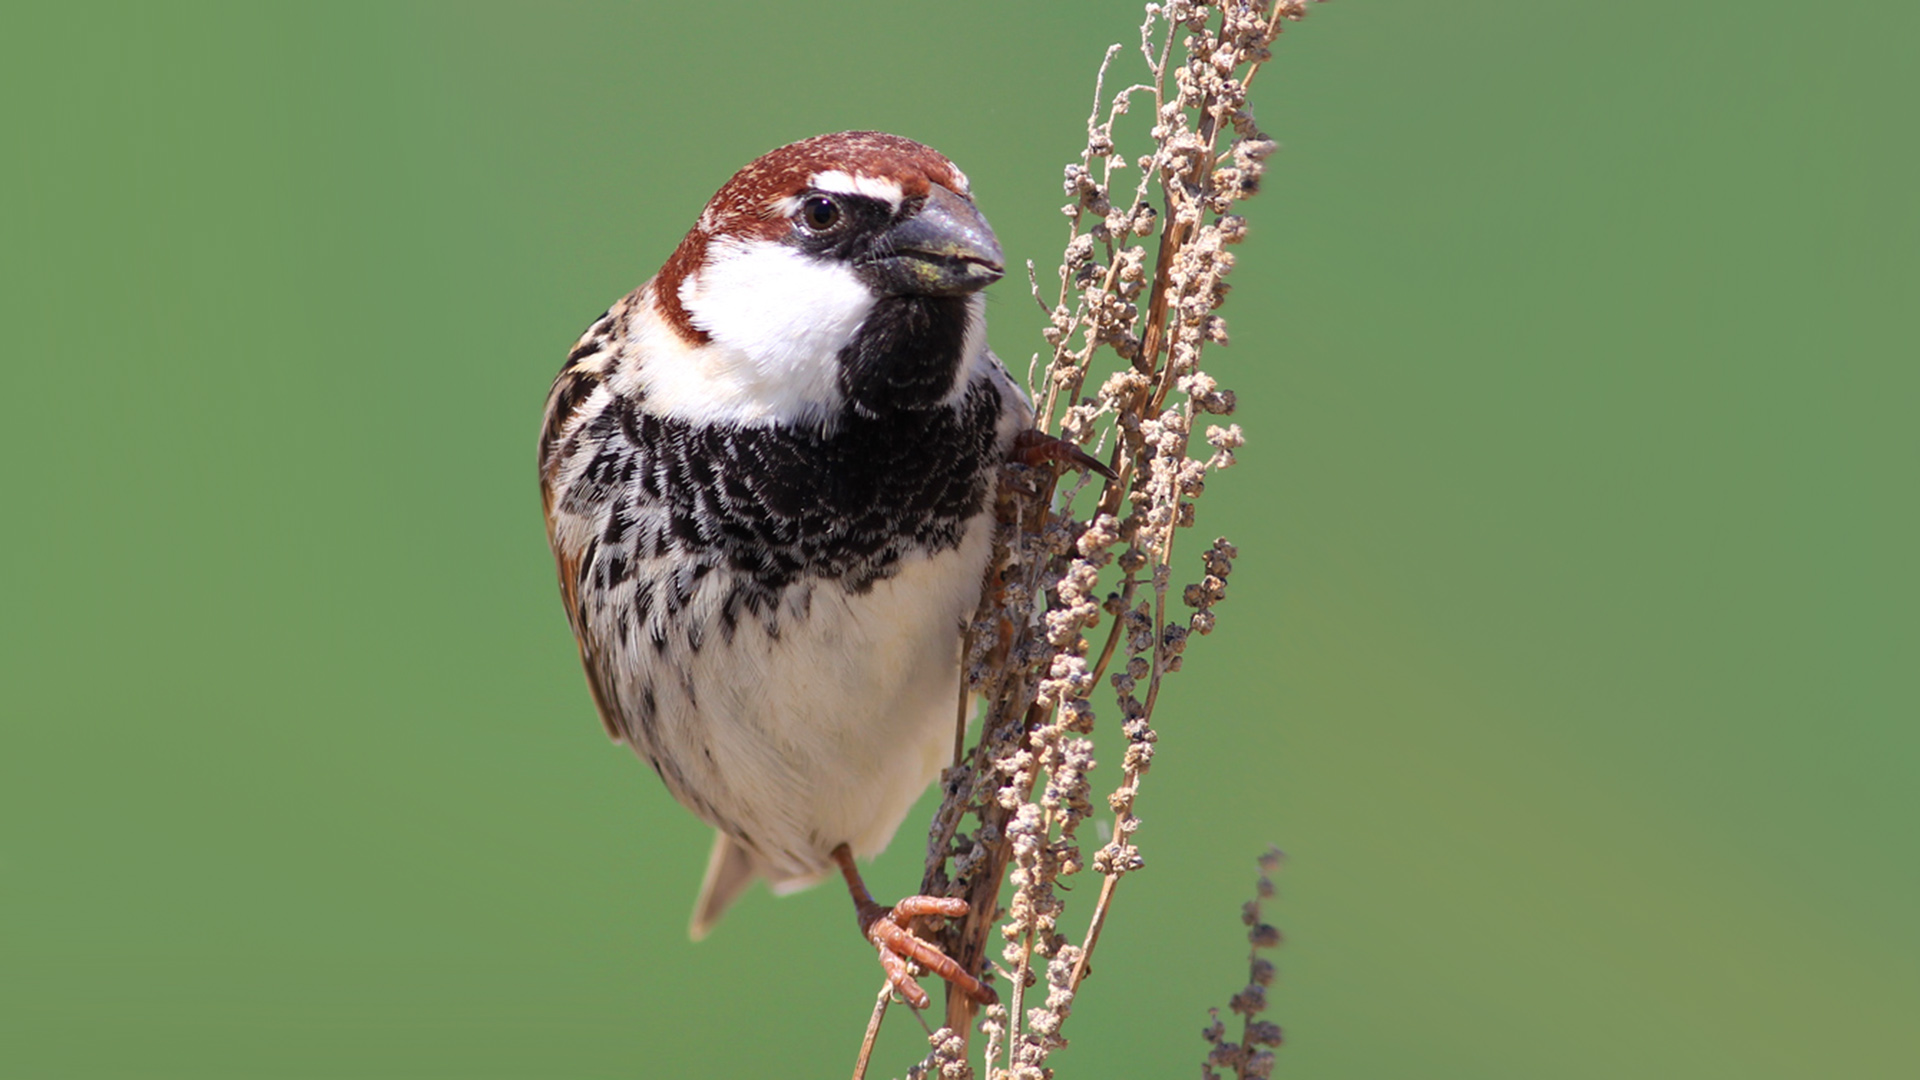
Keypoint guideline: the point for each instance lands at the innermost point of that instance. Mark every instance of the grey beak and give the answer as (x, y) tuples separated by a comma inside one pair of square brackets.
[(946, 249)]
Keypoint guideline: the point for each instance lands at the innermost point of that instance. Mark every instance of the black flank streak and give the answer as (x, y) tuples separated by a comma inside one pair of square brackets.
[(570, 390), (617, 525), (584, 574), (730, 613), (614, 569), (649, 712)]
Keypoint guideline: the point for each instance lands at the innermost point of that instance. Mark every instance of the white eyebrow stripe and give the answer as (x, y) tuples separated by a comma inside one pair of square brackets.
[(844, 183)]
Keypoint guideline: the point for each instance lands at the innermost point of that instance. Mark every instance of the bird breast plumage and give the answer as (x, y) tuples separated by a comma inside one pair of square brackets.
[(771, 613), (818, 728)]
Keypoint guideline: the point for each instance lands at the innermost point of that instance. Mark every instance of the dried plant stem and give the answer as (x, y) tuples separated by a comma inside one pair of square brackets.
[(873, 1030), (1025, 784), (1099, 920)]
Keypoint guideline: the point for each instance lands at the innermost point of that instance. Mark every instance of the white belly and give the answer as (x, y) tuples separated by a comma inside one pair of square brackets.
[(827, 733)]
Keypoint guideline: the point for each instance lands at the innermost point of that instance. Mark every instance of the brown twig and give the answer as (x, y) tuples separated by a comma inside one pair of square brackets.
[(873, 1030)]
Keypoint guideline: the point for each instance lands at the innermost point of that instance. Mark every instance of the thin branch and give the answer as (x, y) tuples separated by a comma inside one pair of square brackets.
[(873, 1030)]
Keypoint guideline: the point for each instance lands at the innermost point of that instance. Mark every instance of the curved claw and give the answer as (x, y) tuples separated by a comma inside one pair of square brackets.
[(1034, 447)]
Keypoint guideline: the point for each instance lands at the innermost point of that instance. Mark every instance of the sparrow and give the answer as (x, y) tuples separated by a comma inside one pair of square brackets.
[(767, 476)]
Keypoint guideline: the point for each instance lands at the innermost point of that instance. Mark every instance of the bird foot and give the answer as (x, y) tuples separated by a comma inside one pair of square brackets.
[(890, 930)]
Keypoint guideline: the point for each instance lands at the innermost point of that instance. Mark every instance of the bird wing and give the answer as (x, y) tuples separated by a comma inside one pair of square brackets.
[(577, 499)]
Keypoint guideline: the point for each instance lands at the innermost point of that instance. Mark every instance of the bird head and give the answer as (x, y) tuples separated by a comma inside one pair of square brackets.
[(839, 268)]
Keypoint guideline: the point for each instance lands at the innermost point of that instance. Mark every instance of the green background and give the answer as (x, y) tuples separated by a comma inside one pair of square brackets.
[(1571, 654)]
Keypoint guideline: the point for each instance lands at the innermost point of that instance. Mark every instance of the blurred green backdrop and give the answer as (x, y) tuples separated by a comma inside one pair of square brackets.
[(1572, 655)]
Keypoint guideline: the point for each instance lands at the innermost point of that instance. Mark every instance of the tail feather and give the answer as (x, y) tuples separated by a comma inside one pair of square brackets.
[(730, 869)]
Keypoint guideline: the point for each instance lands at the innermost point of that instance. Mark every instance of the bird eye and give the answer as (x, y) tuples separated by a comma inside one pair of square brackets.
[(820, 213)]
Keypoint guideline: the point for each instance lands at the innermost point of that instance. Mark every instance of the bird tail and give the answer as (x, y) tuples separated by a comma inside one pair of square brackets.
[(730, 869)]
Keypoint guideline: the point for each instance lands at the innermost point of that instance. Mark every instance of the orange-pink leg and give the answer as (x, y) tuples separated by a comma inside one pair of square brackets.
[(890, 929)]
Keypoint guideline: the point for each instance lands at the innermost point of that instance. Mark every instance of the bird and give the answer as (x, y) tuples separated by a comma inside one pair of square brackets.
[(768, 477)]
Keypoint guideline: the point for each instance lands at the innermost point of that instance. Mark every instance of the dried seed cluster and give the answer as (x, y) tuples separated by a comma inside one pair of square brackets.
[(1062, 570), (948, 1061), (1246, 1058)]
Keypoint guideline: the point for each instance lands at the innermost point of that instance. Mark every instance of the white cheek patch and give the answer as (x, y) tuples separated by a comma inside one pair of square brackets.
[(778, 320), (843, 183)]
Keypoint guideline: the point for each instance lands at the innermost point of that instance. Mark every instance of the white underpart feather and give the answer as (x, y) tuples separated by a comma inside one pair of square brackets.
[(828, 734), (777, 319)]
